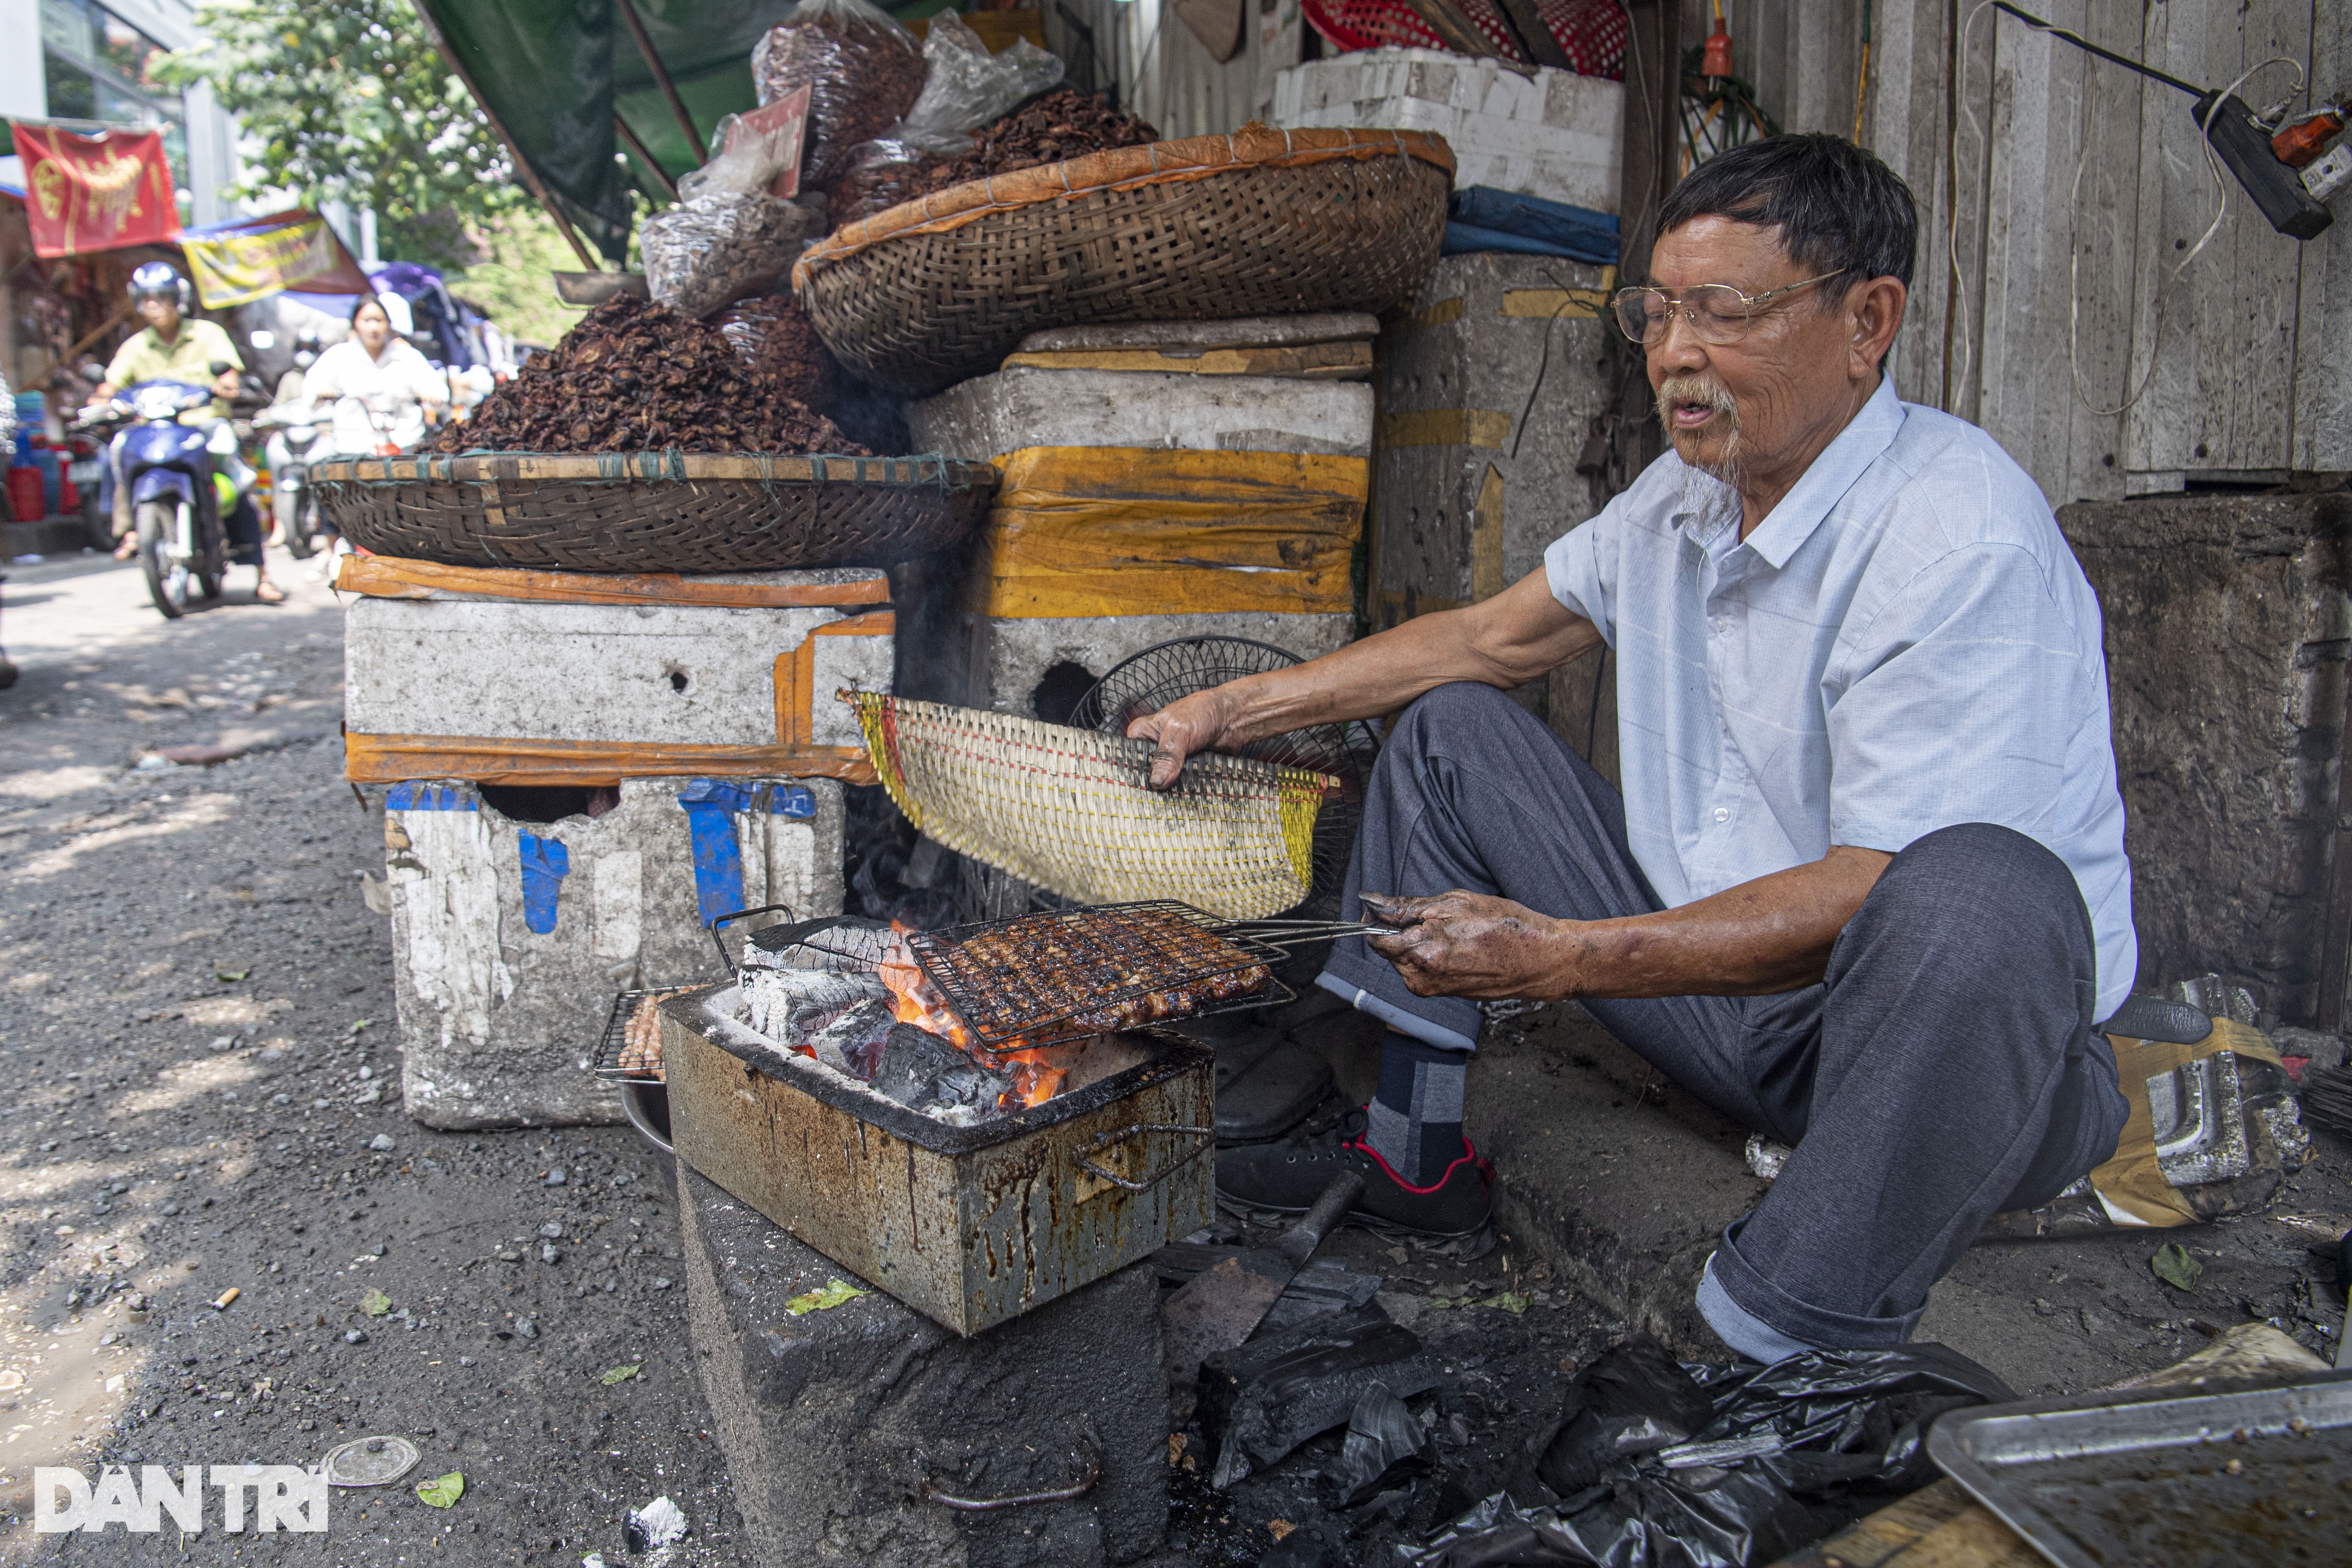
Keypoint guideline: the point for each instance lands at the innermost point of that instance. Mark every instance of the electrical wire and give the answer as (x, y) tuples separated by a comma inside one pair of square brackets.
[(1862, 81), (1957, 307)]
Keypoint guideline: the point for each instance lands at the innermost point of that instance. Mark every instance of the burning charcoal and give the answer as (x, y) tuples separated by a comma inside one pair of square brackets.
[(852, 1041), (1261, 1401), (789, 1003), (1386, 1449), (920, 1071)]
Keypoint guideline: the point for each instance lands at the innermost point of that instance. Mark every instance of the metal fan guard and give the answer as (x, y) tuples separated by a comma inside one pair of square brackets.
[(1146, 681)]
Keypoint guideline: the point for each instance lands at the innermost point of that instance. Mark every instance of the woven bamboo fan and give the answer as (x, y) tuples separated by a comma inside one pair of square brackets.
[(1070, 811), (1258, 223)]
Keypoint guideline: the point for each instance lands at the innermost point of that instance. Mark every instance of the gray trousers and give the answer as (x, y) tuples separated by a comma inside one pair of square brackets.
[(1944, 1070)]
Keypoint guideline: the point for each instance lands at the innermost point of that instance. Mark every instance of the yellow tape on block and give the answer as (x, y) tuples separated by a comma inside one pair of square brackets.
[(1134, 531), (1445, 427), (2132, 1184)]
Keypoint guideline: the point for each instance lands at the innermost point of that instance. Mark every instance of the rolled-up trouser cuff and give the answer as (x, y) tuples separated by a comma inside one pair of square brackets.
[(1736, 1326), (1767, 1303), (1402, 1019)]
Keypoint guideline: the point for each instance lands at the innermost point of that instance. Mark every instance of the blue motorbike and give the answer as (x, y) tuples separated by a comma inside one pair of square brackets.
[(175, 474)]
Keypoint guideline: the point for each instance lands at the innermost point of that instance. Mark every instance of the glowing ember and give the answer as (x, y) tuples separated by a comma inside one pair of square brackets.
[(1036, 1077)]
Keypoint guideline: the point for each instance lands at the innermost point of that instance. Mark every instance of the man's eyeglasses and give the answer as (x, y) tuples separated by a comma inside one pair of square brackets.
[(1718, 312)]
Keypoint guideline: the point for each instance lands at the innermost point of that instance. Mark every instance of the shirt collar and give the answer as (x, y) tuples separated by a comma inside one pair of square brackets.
[(1822, 486)]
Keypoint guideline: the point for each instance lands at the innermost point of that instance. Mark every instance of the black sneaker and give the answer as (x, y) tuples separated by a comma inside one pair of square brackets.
[(1271, 1181)]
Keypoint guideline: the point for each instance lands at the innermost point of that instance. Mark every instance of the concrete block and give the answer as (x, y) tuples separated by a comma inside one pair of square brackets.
[(670, 674), (832, 1421), (993, 415), (2228, 621), (1555, 134), (1243, 332), (1466, 493), (511, 937)]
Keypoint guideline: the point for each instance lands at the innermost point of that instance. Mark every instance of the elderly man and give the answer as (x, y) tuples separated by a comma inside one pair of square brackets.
[(1865, 890)]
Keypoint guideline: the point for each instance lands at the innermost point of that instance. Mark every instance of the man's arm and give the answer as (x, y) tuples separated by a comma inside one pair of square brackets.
[(1768, 935), (1508, 640)]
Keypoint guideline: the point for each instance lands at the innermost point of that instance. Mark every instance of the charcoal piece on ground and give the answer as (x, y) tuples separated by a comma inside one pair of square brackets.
[(1261, 1400), (920, 1071), (1387, 1448), (1634, 1398)]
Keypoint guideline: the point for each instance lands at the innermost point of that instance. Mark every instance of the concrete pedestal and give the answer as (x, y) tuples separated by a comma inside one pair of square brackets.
[(832, 1421)]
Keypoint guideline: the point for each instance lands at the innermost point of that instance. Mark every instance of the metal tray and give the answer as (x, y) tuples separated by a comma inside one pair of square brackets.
[(2091, 1483)]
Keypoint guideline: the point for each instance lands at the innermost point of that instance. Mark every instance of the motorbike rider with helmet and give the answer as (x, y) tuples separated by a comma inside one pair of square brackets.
[(179, 346)]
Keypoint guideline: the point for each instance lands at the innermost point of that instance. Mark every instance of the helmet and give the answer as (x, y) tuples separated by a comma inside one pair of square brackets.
[(157, 280)]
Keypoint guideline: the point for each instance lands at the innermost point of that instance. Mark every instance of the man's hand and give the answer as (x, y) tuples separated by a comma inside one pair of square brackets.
[(1200, 723), (226, 385), (1472, 945)]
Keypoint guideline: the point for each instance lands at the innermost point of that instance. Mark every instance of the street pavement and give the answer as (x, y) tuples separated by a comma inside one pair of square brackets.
[(221, 1240)]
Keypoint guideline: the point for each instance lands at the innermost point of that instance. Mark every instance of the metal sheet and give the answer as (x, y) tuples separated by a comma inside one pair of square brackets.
[(2259, 1476)]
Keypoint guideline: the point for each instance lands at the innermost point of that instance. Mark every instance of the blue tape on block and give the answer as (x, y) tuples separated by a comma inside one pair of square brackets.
[(545, 863), (430, 797), (710, 807), (795, 801)]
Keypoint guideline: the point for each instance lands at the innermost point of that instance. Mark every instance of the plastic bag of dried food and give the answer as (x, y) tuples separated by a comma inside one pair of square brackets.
[(967, 87), (1787, 1454), (713, 250), (880, 175), (863, 71), (747, 163)]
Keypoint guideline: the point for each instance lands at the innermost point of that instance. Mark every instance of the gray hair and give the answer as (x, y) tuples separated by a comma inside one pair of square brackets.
[(1838, 208)]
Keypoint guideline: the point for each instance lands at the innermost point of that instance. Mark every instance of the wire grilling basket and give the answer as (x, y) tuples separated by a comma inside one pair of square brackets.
[(1048, 977), (630, 1051)]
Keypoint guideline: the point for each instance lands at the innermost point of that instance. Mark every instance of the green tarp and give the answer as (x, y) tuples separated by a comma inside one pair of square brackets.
[(554, 71)]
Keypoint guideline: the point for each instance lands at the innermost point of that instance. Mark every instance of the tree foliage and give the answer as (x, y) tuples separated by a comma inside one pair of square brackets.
[(351, 101)]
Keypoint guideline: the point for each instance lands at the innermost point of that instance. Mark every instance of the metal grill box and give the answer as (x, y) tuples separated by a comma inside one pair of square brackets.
[(968, 1226)]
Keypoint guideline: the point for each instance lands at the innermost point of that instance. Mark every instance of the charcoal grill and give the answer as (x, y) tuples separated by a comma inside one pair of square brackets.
[(968, 1226)]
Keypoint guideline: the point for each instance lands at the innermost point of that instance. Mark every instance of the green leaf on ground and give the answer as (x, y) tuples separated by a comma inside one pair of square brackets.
[(361, 1024), (226, 976), (832, 1293), (1512, 1301), (441, 1491), (2173, 1265), (621, 1373), (375, 1303)]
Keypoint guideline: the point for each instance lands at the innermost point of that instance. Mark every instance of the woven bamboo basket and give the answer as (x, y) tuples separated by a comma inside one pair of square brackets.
[(1069, 810), (1259, 222), (654, 512)]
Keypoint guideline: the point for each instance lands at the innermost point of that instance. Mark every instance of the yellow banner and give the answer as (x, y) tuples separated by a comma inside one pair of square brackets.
[(240, 267), (1139, 531)]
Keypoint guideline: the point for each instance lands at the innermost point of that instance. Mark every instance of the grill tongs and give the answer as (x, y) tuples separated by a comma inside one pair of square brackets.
[(1036, 978)]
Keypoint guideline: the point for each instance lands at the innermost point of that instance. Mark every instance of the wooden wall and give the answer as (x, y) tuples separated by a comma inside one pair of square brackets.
[(2069, 189)]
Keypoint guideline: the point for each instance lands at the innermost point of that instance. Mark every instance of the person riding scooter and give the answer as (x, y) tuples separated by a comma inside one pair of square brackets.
[(378, 387), (296, 423), (181, 347)]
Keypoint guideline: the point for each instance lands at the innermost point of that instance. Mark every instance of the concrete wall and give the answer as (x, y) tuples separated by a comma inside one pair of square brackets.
[(2228, 623)]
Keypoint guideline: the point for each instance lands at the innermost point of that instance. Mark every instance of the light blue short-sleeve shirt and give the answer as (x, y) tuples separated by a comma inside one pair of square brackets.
[(1905, 643)]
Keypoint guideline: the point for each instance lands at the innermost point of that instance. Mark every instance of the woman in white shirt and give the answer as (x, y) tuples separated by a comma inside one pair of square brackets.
[(377, 385)]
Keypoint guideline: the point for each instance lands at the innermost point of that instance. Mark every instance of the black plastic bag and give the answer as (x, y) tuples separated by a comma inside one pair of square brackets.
[(1386, 1448), (1789, 1453), (1260, 1401), (1635, 1399)]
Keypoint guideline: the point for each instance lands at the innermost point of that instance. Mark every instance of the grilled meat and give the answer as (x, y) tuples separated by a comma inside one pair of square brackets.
[(641, 1046), (1043, 969)]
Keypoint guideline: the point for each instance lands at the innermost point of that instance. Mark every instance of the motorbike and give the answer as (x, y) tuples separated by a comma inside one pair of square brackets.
[(296, 432), (180, 479)]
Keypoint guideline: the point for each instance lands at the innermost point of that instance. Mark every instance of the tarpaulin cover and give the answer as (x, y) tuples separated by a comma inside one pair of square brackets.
[(554, 72)]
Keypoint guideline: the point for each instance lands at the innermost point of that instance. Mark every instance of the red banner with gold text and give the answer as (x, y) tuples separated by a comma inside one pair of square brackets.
[(96, 193)]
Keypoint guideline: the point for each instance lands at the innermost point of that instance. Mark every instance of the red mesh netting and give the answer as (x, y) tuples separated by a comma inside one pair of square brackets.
[(1591, 32)]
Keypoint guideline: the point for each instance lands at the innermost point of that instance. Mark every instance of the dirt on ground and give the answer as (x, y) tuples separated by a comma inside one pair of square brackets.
[(224, 1241)]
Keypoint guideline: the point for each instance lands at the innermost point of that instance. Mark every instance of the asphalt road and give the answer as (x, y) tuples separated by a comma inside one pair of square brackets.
[(203, 1102)]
